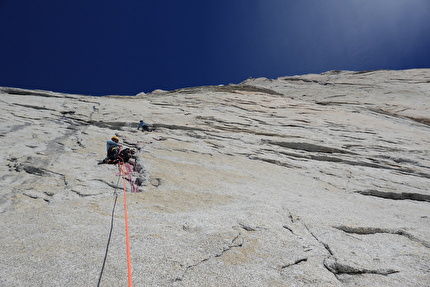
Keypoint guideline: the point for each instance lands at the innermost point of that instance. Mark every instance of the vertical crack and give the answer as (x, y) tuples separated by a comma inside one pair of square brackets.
[(326, 246)]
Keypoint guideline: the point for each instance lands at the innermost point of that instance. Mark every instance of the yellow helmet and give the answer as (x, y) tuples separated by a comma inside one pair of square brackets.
[(115, 138)]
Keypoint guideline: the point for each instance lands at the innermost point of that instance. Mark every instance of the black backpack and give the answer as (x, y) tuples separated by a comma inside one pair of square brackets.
[(125, 155), (113, 152)]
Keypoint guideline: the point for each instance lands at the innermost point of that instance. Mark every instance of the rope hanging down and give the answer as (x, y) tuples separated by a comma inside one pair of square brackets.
[(110, 235), (125, 171)]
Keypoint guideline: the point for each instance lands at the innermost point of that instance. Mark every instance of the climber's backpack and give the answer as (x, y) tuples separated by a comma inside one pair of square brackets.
[(113, 152)]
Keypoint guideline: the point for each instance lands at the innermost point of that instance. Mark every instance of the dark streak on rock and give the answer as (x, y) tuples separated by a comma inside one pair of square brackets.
[(109, 184), (35, 170), (395, 195), (376, 230), (24, 92), (109, 125), (177, 127), (272, 161), (295, 262), (41, 93), (83, 194), (421, 120), (36, 197), (289, 229), (307, 147), (315, 149), (330, 103), (35, 107), (338, 269), (246, 227)]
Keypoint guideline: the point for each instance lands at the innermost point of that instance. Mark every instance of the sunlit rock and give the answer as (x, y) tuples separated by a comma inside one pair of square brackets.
[(313, 180)]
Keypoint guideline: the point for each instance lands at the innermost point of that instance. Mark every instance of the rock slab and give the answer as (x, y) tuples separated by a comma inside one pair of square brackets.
[(313, 180)]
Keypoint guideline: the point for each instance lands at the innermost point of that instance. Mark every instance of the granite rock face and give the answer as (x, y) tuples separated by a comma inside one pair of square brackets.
[(314, 180)]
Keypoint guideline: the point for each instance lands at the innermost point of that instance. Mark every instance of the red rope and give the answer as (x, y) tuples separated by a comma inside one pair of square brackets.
[(129, 171), (123, 173)]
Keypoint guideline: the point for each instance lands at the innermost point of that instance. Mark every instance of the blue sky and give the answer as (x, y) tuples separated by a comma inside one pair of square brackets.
[(125, 47)]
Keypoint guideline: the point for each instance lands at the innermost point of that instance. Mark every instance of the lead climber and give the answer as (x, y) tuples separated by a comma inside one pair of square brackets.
[(143, 126)]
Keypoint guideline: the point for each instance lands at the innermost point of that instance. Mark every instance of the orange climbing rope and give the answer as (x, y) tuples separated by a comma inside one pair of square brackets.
[(123, 173)]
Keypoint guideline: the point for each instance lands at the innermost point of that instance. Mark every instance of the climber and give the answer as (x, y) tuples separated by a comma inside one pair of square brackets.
[(112, 150), (112, 147), (143, 126)]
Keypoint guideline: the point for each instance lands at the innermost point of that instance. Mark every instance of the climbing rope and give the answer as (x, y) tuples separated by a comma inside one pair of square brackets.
[(124, 170), (127, 237), (110, 234)]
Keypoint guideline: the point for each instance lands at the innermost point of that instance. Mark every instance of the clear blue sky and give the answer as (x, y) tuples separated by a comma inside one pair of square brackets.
[(124, 47)]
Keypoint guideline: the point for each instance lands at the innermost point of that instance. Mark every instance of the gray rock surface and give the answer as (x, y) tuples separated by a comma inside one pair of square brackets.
[(314, 180)]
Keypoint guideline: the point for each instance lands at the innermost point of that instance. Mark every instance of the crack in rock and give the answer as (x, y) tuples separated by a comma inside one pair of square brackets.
[(39, 93), (231, 88), (84, 194), (374, 164), (109, 184), (289, 229), (333, 103), (307, 147), (235, 243), (30, 169), (337, 268), (421, 120), (33, 195), (247, 88), (247, 227), (177, 127), (376, 230), (35, 107), (326, 246), (298, 261), (331, 263), (272, 161), (34, 170), (395, 195)]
